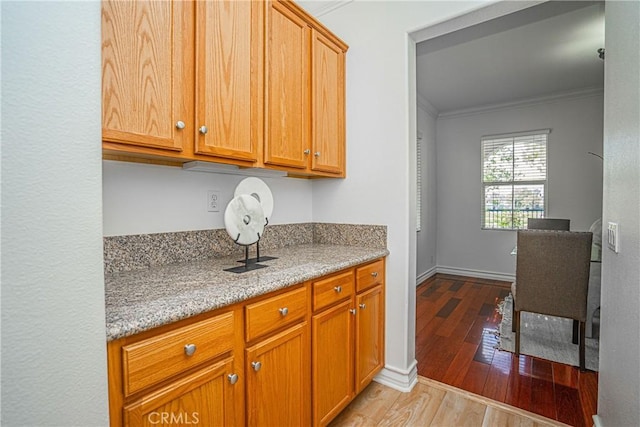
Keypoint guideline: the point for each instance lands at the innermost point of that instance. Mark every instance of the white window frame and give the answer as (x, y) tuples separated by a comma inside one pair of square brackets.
[(512, 183)]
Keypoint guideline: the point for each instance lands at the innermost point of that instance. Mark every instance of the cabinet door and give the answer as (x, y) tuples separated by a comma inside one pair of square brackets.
[(369, 336), (143, 73), (327, 127), (287, 94), (278, 379), (229, 79), (332, 361), (207, 397)]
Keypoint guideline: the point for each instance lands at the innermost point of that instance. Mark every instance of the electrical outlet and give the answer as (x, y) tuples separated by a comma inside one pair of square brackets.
[(213, 201)]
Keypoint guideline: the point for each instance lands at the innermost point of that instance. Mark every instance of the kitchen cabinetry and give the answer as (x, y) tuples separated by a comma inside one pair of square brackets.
[(180, 374), (271, 360), (347, 337), (152, 104), (328, 107), (145, 82), (304, 112), (267, 91)]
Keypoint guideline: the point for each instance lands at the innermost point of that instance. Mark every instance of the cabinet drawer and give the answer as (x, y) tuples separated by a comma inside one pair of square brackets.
[(369, 275), (158, 358), (273, 313), (333, 289)]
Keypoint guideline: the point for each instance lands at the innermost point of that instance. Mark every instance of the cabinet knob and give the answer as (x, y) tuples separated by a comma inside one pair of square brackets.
[(189, 349), (203, 130), (338, 289), (362, 306), (283, 311), (307, 151), (374, 274), (317, 154), (180, 124), (233, 378), (256, 366), (352, 311)]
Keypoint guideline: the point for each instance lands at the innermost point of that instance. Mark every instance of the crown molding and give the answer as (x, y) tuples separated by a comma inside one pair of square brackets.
[(426, 106), (319, 8), (561, 96)]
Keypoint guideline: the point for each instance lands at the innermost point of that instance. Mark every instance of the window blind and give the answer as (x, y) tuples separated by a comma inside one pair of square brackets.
[(514, 179)]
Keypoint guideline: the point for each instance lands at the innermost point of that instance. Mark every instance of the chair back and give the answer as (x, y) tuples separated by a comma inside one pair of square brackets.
[(552, 272), (548, 224)]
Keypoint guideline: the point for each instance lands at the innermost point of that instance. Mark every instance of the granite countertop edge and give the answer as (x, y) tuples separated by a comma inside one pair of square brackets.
[(141, 300)]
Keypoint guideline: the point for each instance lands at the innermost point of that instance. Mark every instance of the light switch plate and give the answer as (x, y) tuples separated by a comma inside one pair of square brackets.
[(613, 237)]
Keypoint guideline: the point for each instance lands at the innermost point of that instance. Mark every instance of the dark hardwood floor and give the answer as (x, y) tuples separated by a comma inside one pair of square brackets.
[(456, 325)]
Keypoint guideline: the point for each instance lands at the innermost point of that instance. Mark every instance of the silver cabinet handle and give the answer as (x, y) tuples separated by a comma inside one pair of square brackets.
[(374, 274), (352, 311), (283, 311), (233, 378), (256, 366), (317, 154), (338, 289), (307, 151), (180, 124), (189, 349), (203, 130), (362, 306)]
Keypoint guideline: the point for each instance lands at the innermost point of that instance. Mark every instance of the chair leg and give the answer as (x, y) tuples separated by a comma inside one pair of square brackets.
[(582, 346), (574, 338), (516, 318), (513, 316)]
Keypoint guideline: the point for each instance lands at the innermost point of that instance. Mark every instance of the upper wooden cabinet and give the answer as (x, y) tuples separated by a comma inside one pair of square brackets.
[(287, 95), (251, 83), (305, 85), (143, 74), (229, 78), (327, 95)]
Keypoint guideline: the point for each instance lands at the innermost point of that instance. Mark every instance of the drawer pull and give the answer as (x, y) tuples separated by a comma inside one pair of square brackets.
[(338, 289), (189, 349), (352, 311), (363, 306), (283, 311), (374, 274), (256, 366), (233, 378)]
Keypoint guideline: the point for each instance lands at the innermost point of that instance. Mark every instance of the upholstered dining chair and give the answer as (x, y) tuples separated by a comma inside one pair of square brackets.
[(552, 278), (548, 224)]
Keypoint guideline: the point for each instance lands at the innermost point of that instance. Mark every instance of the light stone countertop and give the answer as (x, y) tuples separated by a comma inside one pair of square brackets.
[(139, 300)]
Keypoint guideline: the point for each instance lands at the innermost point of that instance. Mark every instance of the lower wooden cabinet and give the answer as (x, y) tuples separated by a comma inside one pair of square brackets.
[(347, 338), (332, 361), (205, 398), (278, 379), (269, 361), (369, 336)]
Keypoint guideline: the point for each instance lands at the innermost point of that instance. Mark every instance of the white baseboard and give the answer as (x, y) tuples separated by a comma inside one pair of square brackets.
[(424, 276), (476, 273), (597, 421), (399, 379)]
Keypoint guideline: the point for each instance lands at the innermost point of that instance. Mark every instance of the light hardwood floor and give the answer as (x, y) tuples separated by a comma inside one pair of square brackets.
[(431, 403)]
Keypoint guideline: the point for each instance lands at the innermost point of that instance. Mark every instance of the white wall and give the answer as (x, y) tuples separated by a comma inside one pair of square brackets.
[(142, 198), (381, 123), (53, 327), (426, 238), (619, 379), (574, 187)]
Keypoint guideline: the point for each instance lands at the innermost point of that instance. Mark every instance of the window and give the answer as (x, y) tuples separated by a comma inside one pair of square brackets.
[(514, 179)]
